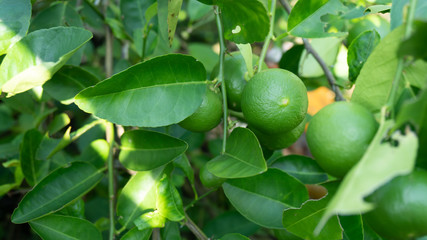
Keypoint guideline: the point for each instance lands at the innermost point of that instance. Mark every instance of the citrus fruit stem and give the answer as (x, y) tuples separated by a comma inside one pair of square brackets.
[(221, 74), (269, 36), (396, 81)]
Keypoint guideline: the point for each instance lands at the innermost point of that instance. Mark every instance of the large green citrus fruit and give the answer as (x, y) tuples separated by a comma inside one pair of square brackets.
[(207, 116), (235, 71), (274, 100), (401, 207), (280, 140), (366, 23), (338, 136)]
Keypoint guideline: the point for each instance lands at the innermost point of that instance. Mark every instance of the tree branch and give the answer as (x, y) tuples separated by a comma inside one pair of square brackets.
[(323, 65)]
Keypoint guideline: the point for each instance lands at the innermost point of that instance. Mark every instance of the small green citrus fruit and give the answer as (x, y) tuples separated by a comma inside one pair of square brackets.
[(207, 116), (401, 207), (338, 136), (274, 101)]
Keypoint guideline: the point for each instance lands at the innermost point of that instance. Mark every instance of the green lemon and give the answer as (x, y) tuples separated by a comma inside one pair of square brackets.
[(280, 140), (366, 23), (208, 179), (207, 116), (274, 101), (234, 77), (401, 207), (338, 136)]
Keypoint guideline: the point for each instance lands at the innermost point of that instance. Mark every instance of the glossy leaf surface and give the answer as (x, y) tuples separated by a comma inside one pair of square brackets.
[(376, 77), (135, 234), (67, 82), (143, 150), (359, 51), (54, 227), (169, 202), (175, 81), (138, 196), (133, 12), (263, 198), (242, 158), (56, 190), (306, 21), (241, 17), (15, 18), (304, 220), (35, 58), (302, 168), (33, 169)]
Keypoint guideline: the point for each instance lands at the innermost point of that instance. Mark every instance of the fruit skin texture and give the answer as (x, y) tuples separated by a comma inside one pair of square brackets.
[(338, 136), (208, 179), (280, 140), (369, 22), (401, 207), (207, 116), (274, 101), (234, 78)]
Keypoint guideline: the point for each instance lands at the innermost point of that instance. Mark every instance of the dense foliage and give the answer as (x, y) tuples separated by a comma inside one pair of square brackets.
[(185, 119)]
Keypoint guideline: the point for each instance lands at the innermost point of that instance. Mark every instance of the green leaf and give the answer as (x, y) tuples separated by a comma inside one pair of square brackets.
[(305, 19), (96, 153), (230, 222), (208, 2), (415, 44), (234, 236), (204, 53), (352, 226), (304, 220), (262, 198), (374, 82), (183, 163), (378, 9), (151, 219), (74, 209), (171, 231), (414, 111), (33, 169), (143, 150), (327, 48), (36, 57), (381, 162), (15, 18), (197, 10), (241, 17), (399, 7), (138, 196), (302, 168), (67, 82), (133, 13), (58, 14), (58, 123), (135, 234), (242, 158), (55, 227), (176, 81), (173, 12), (290, 59), (117, 28), (359, 51), (56, 190), (169, 202)]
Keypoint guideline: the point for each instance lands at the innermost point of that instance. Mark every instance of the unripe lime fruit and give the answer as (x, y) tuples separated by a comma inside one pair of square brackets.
[(400, 207), (280, 140), (235, 71), (207, 116), (274, 100), (338, 136)]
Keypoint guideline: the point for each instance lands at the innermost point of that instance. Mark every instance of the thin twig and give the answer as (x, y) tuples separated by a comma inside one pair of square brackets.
[(194, 228), (323, 65), (269, 35)]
